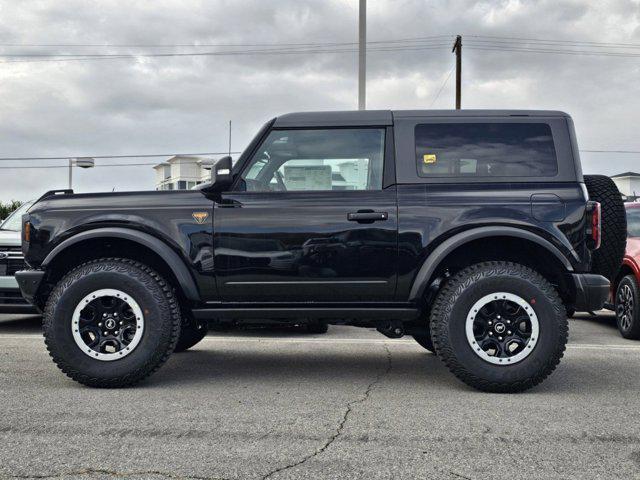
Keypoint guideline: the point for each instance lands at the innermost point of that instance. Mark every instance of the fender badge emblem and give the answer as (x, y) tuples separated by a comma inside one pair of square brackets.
[(200, 217)]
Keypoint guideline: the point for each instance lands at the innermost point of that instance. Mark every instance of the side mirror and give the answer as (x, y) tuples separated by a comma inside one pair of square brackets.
[(221, 176)]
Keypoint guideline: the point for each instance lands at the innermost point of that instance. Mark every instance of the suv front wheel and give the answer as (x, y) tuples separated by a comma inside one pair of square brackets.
[(111, 322), (499, 326), (627, 308)]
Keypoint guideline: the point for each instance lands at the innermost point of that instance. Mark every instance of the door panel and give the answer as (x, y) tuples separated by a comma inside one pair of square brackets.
[(302, 246)]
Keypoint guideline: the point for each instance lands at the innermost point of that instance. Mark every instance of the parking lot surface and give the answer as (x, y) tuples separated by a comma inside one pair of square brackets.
[(349, 404)]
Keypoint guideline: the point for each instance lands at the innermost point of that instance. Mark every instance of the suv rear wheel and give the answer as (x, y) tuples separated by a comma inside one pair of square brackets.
[(499, 326), (111, 322)]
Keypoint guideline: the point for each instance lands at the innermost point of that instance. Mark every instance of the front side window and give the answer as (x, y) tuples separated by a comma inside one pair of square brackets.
[(485, 150), (317, 160)]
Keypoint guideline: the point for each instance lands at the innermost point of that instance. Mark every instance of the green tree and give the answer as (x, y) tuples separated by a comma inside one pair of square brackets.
[(7, 208)]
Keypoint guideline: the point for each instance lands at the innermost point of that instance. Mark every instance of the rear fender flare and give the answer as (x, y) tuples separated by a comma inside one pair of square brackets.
[(445, 248)]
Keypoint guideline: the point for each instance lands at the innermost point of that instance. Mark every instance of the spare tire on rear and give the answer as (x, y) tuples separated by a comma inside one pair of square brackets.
[(607, 260)]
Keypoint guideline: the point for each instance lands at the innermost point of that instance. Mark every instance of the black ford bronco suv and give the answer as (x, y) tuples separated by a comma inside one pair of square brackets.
[(472, 231)]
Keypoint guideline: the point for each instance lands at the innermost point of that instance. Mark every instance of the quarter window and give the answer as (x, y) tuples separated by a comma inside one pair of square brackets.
[(485, 150), (317, 160)]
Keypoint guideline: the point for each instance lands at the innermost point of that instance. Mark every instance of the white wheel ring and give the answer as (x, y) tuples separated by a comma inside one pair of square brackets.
[(135, 308), (533, 318)]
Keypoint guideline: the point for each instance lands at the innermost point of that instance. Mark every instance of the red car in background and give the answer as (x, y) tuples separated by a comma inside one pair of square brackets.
[(626, 288)]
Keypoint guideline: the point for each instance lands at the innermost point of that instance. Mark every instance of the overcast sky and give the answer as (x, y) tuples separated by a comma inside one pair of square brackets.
[(183, 104)]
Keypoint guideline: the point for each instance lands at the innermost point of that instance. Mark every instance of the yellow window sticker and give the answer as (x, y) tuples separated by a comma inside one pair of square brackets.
[(429, 158)]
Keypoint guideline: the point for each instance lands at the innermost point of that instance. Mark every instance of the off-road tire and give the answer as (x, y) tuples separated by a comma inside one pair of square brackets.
[(161, 315), (607, 260), (453, 304), (632, 331), (191, 333), (425, 342), (317, 327)]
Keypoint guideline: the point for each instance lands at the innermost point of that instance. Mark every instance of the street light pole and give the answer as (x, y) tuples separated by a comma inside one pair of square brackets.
[(362, 56), (82, 162)]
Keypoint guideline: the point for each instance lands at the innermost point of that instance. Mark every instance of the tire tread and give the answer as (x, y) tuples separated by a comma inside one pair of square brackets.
[(443, 306), (144, 274)]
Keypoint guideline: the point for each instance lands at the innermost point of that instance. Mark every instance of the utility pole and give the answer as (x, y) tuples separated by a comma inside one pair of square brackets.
[(457, 48), (229, 137), (362, 56)]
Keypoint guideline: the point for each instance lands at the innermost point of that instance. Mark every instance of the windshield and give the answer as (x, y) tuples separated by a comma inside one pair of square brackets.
[(633, 222), (14, 221)]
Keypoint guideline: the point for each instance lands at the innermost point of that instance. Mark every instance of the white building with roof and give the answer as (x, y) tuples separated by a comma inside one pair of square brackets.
[(182, 172), (628, 183)]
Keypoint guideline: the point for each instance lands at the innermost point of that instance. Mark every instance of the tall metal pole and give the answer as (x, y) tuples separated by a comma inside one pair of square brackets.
[(229, 137), (457, 48), (70, 174), (362, 56)]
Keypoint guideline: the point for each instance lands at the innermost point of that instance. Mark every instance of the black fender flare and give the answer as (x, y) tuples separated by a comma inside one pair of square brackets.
[(445, 248), (172, 259)]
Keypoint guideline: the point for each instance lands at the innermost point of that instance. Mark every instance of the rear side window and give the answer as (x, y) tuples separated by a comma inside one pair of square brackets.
[(485, 150)]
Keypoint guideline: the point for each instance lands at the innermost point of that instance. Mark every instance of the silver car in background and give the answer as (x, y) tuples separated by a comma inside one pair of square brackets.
[(11, 261)]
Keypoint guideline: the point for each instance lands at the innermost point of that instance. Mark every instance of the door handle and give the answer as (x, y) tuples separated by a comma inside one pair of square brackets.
[(367, 217)]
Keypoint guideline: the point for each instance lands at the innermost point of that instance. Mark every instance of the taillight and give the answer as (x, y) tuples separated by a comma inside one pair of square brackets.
[(595, 225)]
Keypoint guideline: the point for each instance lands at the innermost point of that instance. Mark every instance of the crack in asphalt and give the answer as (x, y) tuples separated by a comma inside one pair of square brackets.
[(459, 475), (345, 416), (112, 473)]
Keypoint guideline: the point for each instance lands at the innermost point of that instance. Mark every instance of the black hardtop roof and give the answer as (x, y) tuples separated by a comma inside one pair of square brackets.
[(385, 117)]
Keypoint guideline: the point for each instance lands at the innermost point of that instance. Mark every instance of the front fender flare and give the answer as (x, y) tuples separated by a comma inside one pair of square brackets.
[(445, 248), (171, 258)]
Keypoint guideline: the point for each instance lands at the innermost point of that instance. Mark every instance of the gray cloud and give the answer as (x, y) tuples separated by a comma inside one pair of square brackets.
[(149, 105)]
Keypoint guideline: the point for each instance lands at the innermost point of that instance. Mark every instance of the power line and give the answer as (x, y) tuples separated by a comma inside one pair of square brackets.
[(472, 46), (80, 57), (552, 51), (144, 155), (66, 166), (555, 41), (220, 45), (550, 43), (442, 87)]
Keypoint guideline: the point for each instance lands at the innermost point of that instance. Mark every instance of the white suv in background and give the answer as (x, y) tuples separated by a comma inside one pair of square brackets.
[(11, 261)]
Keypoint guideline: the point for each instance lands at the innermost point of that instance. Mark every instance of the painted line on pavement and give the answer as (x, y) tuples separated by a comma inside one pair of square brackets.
[(339, 341)]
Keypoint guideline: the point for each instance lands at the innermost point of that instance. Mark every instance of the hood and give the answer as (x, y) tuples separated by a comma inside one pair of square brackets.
[(115, 200), (10, 239)]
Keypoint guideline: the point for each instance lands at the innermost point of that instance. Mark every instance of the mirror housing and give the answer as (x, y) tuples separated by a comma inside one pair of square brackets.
[(221, 176)]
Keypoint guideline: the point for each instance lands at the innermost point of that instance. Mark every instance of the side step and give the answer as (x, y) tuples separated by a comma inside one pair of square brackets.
[(340, 313)]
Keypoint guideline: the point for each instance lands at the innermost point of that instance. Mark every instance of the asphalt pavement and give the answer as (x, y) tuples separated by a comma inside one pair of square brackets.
[(283, 404)]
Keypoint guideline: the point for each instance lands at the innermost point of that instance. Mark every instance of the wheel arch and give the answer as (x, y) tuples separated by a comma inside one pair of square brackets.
[(628, 267), (95, 243), (448, 249)]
